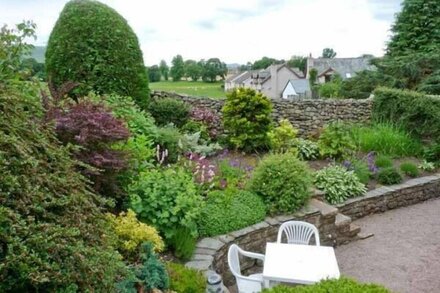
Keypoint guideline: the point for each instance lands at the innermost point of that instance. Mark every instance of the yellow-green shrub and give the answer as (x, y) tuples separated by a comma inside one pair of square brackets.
[(132, 233), (282, 137)]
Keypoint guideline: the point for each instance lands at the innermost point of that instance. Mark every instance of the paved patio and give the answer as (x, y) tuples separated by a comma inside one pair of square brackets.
[(403, 254)]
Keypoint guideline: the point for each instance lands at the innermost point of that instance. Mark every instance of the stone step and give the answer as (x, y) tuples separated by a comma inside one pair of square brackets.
[(324, 208), (342, 220)]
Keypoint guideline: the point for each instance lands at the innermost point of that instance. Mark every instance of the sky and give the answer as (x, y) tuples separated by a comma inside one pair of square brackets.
[(236, 31)]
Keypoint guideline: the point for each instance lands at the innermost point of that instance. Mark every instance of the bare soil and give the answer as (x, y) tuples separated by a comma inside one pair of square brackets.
[(404, 253)]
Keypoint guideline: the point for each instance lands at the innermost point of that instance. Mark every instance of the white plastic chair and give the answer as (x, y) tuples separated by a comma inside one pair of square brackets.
[(298, 233), (245, 284)]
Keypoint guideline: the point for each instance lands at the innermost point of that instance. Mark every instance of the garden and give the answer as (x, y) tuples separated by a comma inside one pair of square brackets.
[(108, 190)]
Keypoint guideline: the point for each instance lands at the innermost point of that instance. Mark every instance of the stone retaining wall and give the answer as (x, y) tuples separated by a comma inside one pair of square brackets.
[(306, 115), (333, 223), (390, 197), (212, 253)]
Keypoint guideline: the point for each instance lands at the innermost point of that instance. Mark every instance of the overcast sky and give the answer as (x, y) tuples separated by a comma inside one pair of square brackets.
[(236, 31)]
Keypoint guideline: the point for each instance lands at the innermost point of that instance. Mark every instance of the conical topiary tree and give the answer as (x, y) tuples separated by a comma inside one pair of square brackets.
[(92, 44)]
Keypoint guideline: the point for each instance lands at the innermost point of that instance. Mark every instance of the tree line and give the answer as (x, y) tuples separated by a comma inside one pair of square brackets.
[(206, 70)]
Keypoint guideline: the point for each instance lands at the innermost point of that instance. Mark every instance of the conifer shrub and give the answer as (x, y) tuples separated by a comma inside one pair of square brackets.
[(93, 45), (247, 119), (53, 235)]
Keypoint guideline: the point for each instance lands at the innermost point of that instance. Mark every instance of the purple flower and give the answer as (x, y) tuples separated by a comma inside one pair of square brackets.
[(234, 163)]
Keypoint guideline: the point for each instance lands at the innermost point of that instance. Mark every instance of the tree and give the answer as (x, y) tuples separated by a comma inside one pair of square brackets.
[(298, 62), (313, 78), (164, 69), (265, 62), (34, 68), (154, 73), (245, 67), (416, 28), (93, 45), (328, 53), (431, 84), (193, 69), (213, 68), (178, 68)]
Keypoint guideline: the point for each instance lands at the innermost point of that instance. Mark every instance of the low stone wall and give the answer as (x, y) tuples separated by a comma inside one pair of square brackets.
[(212, 253), (306, 115), (334, 224), (390, 197)]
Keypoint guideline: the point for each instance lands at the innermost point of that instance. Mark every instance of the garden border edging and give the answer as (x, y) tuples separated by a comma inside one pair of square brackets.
[(333, 223)]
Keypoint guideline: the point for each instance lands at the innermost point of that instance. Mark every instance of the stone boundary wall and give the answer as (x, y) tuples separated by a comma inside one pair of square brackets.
[(390, 197), (307, 116), (334, 224)]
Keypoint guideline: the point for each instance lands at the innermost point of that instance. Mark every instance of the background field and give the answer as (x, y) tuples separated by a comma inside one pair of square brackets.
[(193, 88)]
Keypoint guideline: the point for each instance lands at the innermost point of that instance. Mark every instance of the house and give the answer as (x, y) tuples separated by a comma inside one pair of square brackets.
[(345, 67), (297, 89), (270, 81)]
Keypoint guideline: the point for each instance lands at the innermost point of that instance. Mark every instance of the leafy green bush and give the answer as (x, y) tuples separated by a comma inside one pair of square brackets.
[(386, 139), (427, 166), (51, 225), (336, 141), (389, 176), (383, 161), (185, 280), (166, 199), (192, 143), (283, 181), (281, 138), (168, 110), (132, 233), (149, 274), (230, 210), (417, 113), (410, 169), (168, 138), (183, 243), (307, 149), (343, 285), (338, 184), (247, 119), (138, 121), (93, 45), (432, 153)]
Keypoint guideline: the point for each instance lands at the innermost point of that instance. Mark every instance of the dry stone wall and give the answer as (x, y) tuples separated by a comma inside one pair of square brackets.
[(306, 115)]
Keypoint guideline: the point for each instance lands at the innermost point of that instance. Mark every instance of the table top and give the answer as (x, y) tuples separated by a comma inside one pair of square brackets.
[(303, 264)]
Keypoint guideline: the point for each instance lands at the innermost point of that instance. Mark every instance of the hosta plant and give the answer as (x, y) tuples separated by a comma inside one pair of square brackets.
[(338, 184), (307, 149)]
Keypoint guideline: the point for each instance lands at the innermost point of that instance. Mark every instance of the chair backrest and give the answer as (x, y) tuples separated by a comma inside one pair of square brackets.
[(298, 233), (244, 285)]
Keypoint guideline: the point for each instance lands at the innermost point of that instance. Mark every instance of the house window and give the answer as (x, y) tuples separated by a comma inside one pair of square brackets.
[(328, 78)]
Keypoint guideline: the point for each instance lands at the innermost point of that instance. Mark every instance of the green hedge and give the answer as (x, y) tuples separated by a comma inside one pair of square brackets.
[(342, 285), (417, 113)]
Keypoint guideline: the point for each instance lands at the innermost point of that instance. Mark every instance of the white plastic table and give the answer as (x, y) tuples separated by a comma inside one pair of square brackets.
[(300, 264)]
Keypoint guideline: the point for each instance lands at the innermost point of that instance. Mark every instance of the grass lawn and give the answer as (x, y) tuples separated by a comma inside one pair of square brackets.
[(193, 88)]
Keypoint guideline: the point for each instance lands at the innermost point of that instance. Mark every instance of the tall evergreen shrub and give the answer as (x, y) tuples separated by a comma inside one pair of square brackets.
[(92, 44)]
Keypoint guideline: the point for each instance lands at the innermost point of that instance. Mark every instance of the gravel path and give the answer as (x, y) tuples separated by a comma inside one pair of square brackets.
[(403, 254)]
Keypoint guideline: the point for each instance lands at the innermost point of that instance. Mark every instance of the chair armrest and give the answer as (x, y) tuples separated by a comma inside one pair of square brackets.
[(253, 255)]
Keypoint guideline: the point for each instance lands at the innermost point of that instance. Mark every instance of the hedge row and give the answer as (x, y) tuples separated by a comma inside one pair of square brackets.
[(417, 113)]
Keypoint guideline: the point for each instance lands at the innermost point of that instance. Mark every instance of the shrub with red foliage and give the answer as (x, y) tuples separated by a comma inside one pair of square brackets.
[(94, 128), (207, 117)]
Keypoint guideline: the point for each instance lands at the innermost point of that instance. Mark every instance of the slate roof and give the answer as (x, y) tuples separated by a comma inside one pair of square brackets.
[(301, 86), (340, 65)]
